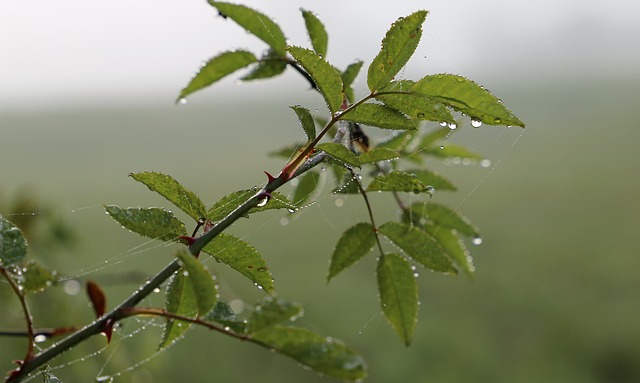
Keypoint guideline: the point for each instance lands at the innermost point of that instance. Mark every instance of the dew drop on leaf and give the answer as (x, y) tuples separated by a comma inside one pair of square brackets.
[(183, 101), (443, 123), (452, 126), (485, 163), (476, 241), (263, 201), (476, 123)]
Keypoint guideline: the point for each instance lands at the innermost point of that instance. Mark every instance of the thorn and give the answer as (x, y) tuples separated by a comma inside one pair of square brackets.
[(108, 329), (187, 240), (270, 178)]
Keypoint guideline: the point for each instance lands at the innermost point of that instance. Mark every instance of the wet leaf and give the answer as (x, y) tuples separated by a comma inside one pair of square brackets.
[(256, 23), (203, 285), (441, 215), (398, 140), (340, 153), (230, 202), (217, 68), (379, 116), (306, 121), (270, 65), (419, 245), (355, 243), (36, 277), (223, 314), (433, 179), (414, 105), (466, 97), (181, 299), (270, 311), (452, 246), (323, 354), (378, 154), (241, 257), (150, 222), (323, 74), (398, 295), (172, 191), (398, 46), (429, 140), (307, 184), (398, 181), (13, 245), (346, 183), (348, 77), (317, 32)]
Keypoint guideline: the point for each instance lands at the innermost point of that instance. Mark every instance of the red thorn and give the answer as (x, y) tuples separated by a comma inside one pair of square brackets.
[(270, 178), (108, 329), (187, 240)]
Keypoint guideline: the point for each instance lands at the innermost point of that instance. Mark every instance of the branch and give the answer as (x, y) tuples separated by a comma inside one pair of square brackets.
[(25, 309)]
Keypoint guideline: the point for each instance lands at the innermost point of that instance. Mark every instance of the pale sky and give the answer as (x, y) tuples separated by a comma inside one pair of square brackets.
[(85, 51)]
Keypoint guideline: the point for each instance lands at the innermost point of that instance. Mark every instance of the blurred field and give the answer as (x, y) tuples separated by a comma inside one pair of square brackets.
[(555, 298)]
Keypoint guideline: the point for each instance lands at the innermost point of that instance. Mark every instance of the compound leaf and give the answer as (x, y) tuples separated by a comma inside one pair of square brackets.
[(419, 245), (13, 245), (466, 97), (379, 116), (414, 105), (398, 294), (306, 121), (398, 46), (354, 244), (203, 284), (317, 32), (326, 78), (172, 191), (339, 152), (271, 311), (256, 23), (325, 355), (152, 222), (217, 68), (181, 299), (242, 257), (398, 181)]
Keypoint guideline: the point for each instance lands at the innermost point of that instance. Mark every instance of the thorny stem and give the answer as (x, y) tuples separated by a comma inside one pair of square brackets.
[(25, 311)]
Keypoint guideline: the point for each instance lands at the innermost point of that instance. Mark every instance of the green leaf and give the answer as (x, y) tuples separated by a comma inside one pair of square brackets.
[(323, 74), (449, 150), (242, 257), (172, 191), (413, 105), (152, 222), (256, 23), (230, 202), (379, 116), (398, 181), (223, 314), (354, 244), (430, 139), (397, 47), (466, 97), (348, 76), (181, 299), (307, 184), (271, 311), (36, 277), (270, 65), (419, 245), (323, 354), (398, 295), (306, 120), (347, 183), (398, 140), (378, 154), (203, 284), (217, 68), (340, 153), (317, 32), (433, 179), (13, 245), (453, 247), (443, 216)]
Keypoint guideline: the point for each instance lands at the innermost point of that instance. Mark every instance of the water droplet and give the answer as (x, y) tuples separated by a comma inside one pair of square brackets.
[(476, 123), (71, 287), (441, 147), (291, 210), (263, 201), (452, 126), (156, 290), (183, 101), (103, 379), (227, 328), (485, 163), (430, 189), (185, 273), (416, 275), (443, 123), (497, 120), (339, 202), (39, 338), (476, 241)]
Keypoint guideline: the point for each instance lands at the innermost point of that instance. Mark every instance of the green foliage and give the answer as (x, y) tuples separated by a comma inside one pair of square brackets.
[(428, 234)]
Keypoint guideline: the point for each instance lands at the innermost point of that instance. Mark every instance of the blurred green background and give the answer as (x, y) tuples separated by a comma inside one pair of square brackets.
[(557, 288)]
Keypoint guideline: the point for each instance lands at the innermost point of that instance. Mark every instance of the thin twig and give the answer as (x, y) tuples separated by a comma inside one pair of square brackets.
[(25, 310)]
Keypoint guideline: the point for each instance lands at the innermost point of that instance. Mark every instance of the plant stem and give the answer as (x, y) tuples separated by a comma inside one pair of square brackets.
[(369, 210), (25, 311)]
